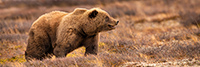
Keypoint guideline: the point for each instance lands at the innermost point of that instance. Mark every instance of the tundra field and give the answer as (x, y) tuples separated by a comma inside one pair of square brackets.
[(150, 33)]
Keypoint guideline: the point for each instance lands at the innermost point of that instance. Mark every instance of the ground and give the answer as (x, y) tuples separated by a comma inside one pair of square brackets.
[(150, 33)]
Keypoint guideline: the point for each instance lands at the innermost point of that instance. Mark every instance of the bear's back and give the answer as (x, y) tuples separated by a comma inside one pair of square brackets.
[(49, 19)]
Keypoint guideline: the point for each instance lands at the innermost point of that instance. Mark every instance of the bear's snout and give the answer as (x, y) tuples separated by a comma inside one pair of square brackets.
[(117, 22)]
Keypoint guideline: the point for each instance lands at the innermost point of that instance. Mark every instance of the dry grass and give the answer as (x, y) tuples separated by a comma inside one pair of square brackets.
[(150, 31)]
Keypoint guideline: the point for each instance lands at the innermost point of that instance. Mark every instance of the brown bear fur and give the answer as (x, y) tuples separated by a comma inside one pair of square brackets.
[(58, 33)]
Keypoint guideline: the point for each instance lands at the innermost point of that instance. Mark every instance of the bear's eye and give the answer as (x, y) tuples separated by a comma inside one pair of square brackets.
[(107, 18)]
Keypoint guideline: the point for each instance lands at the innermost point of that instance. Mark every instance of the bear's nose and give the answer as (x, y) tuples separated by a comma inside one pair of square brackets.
[(117, 22)]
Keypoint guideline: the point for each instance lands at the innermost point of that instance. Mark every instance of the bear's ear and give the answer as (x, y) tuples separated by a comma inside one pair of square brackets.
[(93, 14)]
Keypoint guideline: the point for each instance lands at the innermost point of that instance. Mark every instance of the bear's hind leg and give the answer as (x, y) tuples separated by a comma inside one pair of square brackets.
[(38, 45)]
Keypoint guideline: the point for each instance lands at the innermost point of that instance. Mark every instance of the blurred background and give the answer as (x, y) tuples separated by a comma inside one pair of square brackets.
[(150, 33)]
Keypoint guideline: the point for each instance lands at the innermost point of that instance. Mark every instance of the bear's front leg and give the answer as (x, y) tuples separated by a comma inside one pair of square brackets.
[(91, 49), (61, 50), (66, 42), (91, 45)]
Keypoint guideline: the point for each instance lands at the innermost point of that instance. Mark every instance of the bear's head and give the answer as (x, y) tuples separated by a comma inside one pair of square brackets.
[(98, 20)]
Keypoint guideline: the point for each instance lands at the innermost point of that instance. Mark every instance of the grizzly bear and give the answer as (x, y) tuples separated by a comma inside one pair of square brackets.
[(58, 33)]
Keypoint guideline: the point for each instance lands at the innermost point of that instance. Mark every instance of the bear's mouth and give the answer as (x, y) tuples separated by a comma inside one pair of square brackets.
[(111, 26)]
